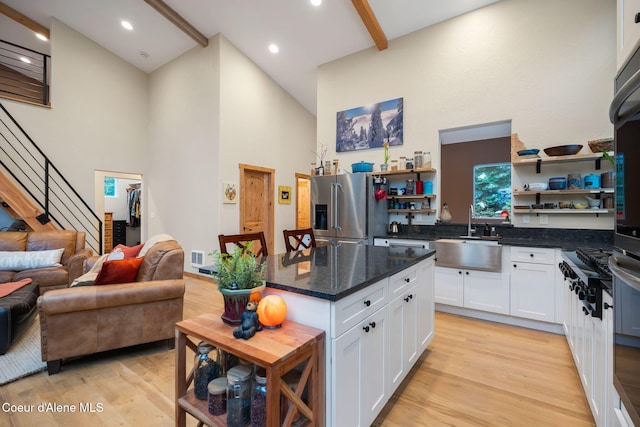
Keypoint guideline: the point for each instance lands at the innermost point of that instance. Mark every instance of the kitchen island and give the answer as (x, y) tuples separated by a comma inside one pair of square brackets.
[(376, 306)]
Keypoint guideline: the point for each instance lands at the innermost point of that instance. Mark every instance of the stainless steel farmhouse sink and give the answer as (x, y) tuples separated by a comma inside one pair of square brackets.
[(484, 255)]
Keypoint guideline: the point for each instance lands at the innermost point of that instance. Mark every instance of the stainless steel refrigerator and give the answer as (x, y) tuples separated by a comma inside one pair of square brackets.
[(344, 209)]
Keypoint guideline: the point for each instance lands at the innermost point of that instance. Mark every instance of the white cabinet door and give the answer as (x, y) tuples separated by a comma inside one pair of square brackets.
[(425, 299), (403, 342), (628, 30), (486, 291), (599, 379), (449, 286), (533, 291), (360, 358)]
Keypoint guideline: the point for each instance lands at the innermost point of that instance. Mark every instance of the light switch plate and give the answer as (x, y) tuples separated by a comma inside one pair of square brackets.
[(544, 219)]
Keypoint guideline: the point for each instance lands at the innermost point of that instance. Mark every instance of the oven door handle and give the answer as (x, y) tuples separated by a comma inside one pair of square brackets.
[(621, 97), (625, 268)]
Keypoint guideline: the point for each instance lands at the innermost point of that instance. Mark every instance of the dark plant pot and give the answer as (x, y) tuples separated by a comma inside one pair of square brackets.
[(235, 303)]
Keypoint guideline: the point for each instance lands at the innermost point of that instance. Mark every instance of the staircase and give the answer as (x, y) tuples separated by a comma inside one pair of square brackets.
[(24, 74), (35, 190)]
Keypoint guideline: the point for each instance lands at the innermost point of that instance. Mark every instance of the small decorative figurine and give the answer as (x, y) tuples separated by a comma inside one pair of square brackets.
[(250, 324)]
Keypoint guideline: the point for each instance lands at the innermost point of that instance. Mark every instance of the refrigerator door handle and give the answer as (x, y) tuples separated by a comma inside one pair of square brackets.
[(626, 269), (336, 206)]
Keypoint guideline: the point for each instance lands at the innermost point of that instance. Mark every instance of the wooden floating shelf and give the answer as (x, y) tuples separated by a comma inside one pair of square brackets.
[(403, 172), (560, 159), (562, 211), (412, 196), (414, 211), (563, 192)]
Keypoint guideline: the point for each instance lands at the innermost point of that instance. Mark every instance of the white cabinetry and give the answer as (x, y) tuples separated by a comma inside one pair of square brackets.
[(361, 356), (479, 290), (628, 29), (533, 289), (403, 318)]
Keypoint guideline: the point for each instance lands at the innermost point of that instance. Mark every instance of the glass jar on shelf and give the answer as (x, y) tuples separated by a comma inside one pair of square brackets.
[(403, 162), (218, 396), (426, 160), (314, 168), (417, 156), (239, 396), (409, 164), (394, 164), (259, 399), (205, 370)]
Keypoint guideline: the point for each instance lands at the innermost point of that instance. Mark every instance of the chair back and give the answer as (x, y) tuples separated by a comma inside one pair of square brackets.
[(259, 247), (297, 240)]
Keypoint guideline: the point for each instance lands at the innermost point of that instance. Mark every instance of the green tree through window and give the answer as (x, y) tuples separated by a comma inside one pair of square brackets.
[(491, 189)]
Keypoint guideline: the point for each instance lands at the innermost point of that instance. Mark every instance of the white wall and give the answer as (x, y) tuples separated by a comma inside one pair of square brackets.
[(260, 125), (547, 65), (211, 109)]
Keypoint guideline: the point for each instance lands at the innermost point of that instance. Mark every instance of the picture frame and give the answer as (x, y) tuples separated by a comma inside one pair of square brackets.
[(229, 192), (284, 195), (370, 126)]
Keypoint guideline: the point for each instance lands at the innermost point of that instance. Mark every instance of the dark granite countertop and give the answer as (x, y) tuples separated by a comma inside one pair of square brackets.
[(566, 239), (333, 272)]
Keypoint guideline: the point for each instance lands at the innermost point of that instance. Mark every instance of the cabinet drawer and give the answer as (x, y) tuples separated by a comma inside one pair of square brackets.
[(354, 308), (534, 255), (400, 282)]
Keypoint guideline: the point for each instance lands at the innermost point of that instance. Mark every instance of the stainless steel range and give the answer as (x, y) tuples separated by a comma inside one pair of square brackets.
[(588, 273)]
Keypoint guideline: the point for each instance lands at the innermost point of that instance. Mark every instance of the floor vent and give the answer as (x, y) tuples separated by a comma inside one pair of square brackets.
[(197, 258)]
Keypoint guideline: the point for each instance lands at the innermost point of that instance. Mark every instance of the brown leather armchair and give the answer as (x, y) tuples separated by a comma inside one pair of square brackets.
[(88, 319)]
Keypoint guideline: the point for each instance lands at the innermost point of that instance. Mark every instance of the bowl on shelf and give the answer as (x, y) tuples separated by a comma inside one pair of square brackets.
[(599, 145), (529, 152), (557, 183), (550, 206), (537, 206), (535, 186), (563, 150), (580, 205), (362, 167), (565, 205)]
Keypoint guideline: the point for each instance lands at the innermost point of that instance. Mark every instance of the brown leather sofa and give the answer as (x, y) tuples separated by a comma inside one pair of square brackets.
[(73, 258), (89, 319)]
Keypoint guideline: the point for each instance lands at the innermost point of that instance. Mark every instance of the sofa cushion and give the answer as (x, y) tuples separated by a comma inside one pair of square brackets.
[(6, 276), (25, 260), (53, 239), (129, 251), (45, 277), (118, 271), (13, 241)]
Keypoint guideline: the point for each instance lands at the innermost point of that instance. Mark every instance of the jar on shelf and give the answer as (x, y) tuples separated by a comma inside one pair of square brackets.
[(426, 160), (409, 164), (327, 167), (218, 396), (239, 396), (394, 164), (403, 162), (410, 187), (417, 156), (205, 370), (259, 399), (314, 168)]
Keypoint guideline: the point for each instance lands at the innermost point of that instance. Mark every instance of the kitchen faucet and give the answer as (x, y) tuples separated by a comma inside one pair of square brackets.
[(470, 230)]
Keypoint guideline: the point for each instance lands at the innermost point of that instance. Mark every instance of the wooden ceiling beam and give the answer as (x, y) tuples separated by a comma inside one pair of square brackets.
[(24, 20), (176, 19), (371, 22)]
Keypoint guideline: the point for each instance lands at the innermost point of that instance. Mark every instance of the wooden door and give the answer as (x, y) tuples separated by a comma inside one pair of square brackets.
[(256, 201), (303, 201)]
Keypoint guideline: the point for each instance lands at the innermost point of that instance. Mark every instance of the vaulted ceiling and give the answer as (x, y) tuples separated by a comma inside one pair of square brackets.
[(307, 35)]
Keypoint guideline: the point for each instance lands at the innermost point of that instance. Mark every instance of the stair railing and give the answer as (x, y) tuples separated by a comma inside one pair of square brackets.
[(24, 74), (38, 176)]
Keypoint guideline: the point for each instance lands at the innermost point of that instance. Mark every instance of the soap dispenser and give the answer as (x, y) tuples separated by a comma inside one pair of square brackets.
[(445, 217)]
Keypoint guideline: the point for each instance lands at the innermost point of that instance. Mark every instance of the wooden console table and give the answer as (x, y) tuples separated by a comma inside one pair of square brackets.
[(277, 350)]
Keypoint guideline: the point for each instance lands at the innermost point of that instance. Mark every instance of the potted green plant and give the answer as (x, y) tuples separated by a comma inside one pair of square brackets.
[(240, 279)]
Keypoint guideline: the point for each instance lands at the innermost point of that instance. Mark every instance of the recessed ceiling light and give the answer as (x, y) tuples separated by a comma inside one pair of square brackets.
[(273, 48), (316, 2), (127, 25), (25, 60), (41, 37)]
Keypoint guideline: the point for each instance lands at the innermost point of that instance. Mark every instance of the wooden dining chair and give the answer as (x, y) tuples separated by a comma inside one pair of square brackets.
[(296, 240), (259, 247)]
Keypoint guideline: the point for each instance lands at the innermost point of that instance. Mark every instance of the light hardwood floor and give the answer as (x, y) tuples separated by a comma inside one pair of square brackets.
[(474, 373)]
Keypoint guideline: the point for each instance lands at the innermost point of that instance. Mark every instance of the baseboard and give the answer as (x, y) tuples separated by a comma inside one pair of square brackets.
[(501, 318), (198, 276)]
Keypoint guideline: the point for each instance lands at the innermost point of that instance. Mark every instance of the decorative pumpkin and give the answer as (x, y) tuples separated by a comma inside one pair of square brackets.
[(272, 310)]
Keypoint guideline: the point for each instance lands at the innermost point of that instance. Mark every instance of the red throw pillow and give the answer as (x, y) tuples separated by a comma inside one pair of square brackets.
[(129, 252), (119, 271)]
